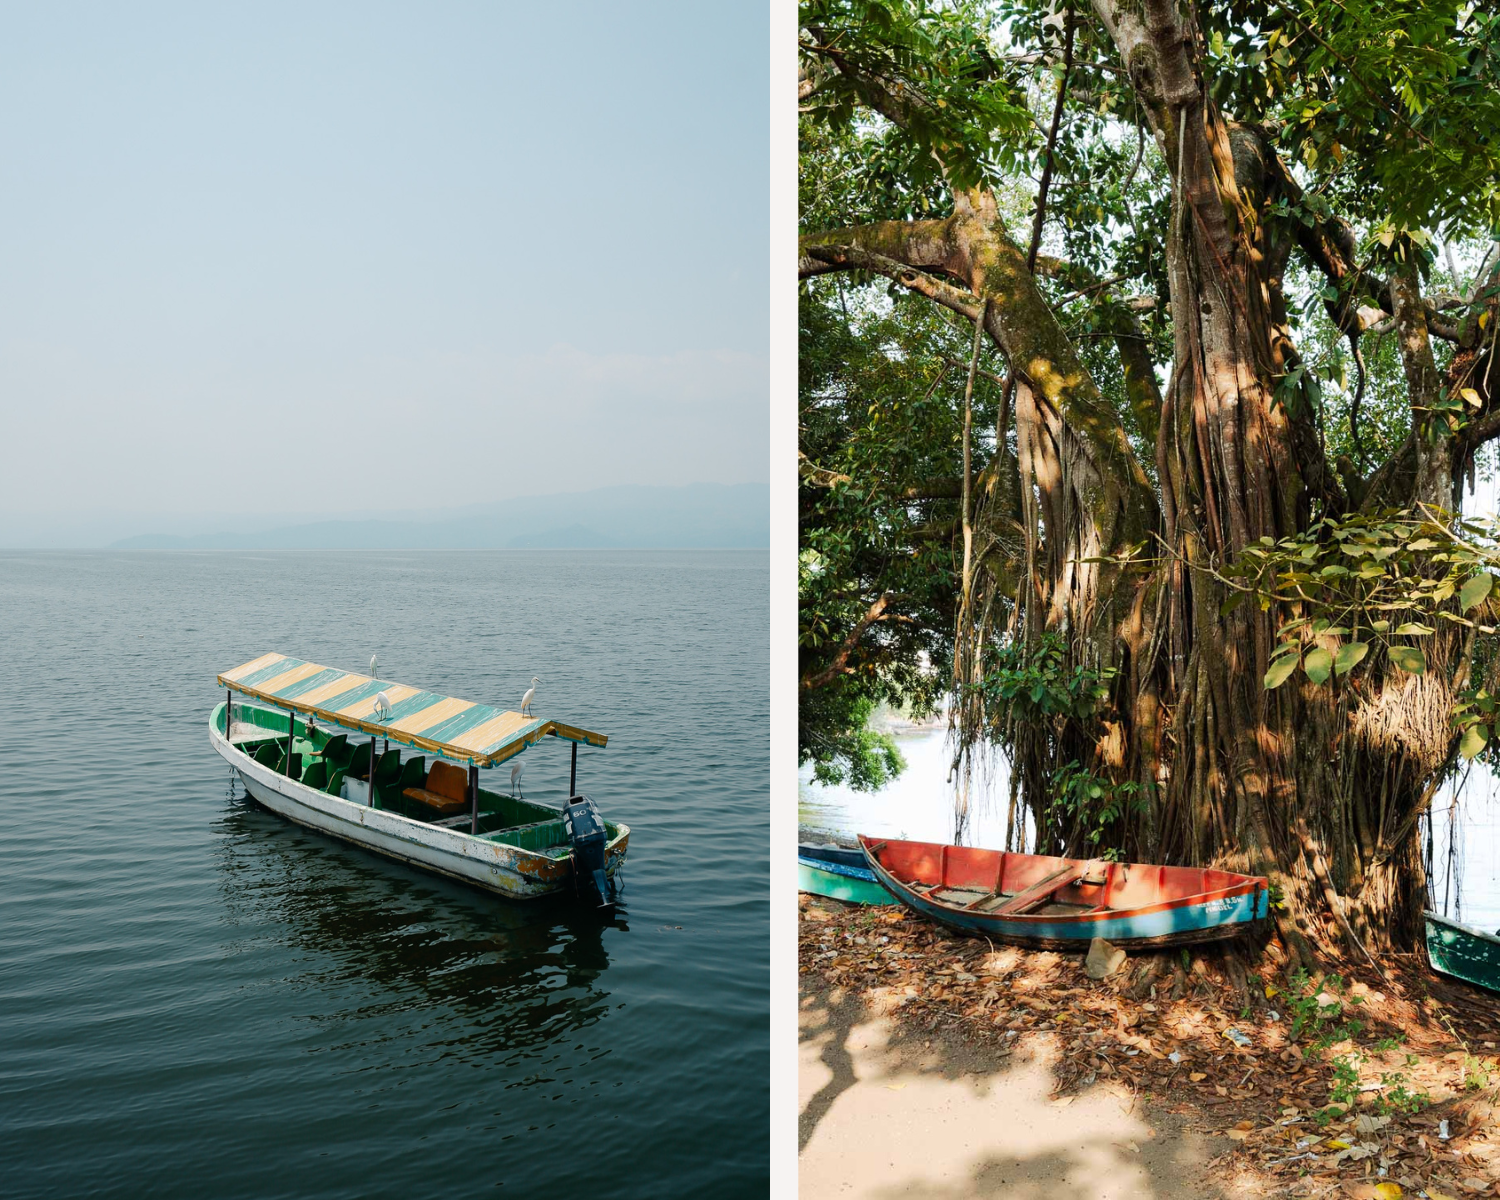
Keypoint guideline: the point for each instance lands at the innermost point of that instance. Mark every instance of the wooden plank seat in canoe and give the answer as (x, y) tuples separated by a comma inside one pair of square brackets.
[(445, 791), (1032, 898)]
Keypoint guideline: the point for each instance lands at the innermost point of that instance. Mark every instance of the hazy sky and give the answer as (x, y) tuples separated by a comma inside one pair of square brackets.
[(337, 257)]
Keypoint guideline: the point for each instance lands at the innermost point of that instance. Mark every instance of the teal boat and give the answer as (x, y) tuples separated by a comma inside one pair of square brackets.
[(840, 874), (1463, 952)]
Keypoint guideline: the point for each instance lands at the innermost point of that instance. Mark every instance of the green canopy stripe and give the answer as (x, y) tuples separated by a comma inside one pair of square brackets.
[(523, 734), (312, 683), (413, 704), (275, 669), (362, 691), (462, 723)]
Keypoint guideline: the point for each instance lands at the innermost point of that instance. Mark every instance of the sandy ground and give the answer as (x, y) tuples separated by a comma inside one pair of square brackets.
[(885, 1113)]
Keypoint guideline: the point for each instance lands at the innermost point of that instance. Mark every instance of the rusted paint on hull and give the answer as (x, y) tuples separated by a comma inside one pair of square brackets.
[(506, 870)]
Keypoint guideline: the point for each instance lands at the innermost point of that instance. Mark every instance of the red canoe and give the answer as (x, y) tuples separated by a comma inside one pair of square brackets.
[(1062, 903)]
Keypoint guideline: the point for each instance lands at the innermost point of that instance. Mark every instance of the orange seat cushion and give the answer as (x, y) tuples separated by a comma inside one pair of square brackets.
[(442, 804), (447, 780)]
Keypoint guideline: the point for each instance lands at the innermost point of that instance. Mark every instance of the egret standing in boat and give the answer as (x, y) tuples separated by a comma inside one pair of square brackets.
[(515, 778), (526, 699)]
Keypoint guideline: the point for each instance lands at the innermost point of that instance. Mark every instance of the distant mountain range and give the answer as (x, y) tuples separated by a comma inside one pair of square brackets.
[(695, 515)]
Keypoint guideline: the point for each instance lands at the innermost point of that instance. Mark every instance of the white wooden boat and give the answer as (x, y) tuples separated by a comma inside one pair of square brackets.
[(297, 749)]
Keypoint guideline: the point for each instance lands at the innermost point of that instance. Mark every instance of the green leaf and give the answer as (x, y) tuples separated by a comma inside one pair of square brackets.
[(1413, 629), (1408, 658), (1350, 655), (1475, 590), (1280, 669), (1473, 741), (1317, 664)]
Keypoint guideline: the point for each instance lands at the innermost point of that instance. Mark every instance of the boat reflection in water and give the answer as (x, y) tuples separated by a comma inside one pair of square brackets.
[(409, 957)]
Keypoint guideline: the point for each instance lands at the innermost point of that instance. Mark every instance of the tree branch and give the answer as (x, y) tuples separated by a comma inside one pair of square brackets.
[(925, 245), (819, 476), (845, 258), (816, 679)]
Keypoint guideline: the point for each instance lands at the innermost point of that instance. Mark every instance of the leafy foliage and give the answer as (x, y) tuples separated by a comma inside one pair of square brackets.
[(1030, 682), (877, 408), (1366, 583), (1385, 103), (1094, 804), (961, 106), (835, 723)]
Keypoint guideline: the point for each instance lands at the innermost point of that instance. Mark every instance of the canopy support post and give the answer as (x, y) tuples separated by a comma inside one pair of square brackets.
[(228, 712), (370, 795), (473, 798), (573, 774), (291, 730)]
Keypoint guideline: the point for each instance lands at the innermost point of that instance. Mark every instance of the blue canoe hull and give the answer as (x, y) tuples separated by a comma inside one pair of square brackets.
[(842, 855)]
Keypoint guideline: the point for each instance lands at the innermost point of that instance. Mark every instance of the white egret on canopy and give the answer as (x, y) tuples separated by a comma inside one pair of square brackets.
[(526, 699)]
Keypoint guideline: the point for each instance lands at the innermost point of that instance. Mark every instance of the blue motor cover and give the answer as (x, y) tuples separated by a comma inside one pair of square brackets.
[(588, 836)]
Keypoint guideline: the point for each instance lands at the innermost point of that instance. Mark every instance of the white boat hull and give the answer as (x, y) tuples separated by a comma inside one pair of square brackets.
[(507, 870)]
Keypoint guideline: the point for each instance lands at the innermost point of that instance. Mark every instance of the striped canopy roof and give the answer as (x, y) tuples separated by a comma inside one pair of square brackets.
[(456, 729)]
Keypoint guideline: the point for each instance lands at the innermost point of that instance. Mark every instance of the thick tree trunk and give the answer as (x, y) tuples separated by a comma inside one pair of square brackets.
[(1313, 785)]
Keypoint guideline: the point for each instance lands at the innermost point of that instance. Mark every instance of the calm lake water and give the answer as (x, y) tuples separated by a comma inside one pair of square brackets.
[(200, 998), (918, 804)]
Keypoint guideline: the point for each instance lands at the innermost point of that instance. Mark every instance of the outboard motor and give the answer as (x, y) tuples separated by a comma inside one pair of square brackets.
[(586, 832)]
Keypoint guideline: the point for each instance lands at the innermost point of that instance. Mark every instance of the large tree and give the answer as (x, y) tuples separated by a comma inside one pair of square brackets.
[(1148, 609)]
